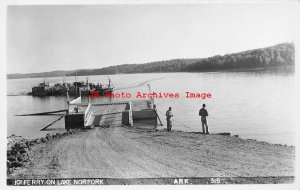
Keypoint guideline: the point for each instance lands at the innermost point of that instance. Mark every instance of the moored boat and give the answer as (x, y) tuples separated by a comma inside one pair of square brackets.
[(74, 89)]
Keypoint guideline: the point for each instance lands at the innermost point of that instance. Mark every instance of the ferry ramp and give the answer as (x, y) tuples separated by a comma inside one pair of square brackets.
[(138, 112), (107, 114)]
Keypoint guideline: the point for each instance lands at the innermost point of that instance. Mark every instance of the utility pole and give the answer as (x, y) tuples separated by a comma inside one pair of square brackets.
[(152, 99), (75, 85)]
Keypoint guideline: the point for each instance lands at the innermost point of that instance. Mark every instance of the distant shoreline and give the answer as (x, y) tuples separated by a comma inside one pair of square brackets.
[(277, 56), (288, 68)]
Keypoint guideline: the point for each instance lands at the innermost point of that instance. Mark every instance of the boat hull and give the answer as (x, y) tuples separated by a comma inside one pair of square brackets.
[(72, 93)]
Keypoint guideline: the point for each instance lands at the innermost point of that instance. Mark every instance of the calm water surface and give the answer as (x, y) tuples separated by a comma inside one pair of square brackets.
[(257, 105)]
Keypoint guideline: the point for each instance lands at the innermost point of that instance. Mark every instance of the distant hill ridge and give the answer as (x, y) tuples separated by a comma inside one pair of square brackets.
[(277, 56)]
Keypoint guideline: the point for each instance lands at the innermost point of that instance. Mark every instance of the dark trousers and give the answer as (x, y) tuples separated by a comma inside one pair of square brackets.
[(204, 122)]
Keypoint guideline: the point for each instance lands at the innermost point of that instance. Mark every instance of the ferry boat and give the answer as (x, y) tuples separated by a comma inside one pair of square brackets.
[(74, 89), (140, 114)]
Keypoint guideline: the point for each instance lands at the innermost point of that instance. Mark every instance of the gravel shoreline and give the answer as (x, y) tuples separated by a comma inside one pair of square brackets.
[(19, 148), (124, 152)]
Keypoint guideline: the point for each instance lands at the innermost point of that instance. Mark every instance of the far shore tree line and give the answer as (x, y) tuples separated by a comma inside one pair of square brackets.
[(271, 57)]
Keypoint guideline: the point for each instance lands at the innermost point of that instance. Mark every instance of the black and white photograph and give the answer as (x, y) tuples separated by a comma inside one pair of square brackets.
[(146, 93)]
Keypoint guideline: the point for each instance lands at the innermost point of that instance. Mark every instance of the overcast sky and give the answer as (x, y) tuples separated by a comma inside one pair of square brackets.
[(47, 38)]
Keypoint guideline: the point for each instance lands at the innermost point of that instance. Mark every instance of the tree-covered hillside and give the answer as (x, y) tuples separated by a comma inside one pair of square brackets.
[(281, 55), (270, 57)]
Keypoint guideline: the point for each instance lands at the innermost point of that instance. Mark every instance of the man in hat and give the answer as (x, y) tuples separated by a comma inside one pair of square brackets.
[(203, 113), (169, 120)]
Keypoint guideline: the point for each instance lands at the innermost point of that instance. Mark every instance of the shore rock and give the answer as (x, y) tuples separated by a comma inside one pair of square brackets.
[(17, 152), (48, 136), (16, 164), (18, 148)]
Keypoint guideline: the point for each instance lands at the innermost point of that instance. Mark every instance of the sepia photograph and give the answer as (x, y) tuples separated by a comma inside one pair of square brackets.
[(151, 94)]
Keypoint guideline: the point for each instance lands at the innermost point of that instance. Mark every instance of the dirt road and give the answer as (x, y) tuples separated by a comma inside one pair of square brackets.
[(120, 152)]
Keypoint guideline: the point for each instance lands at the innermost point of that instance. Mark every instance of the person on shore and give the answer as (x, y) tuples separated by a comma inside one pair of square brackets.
[(169, 119), (203, 113)]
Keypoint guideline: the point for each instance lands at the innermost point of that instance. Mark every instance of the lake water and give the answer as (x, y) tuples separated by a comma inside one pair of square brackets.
[(257, 105)]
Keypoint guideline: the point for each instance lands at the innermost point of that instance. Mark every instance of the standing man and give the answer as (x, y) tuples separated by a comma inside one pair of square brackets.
[(169, 120), (203, 113)]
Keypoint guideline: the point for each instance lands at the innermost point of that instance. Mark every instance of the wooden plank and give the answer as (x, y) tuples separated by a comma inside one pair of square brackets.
[(43, 113), (52, 123)]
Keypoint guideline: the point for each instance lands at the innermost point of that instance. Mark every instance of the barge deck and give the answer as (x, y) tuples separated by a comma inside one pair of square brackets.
[(131, 113)]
